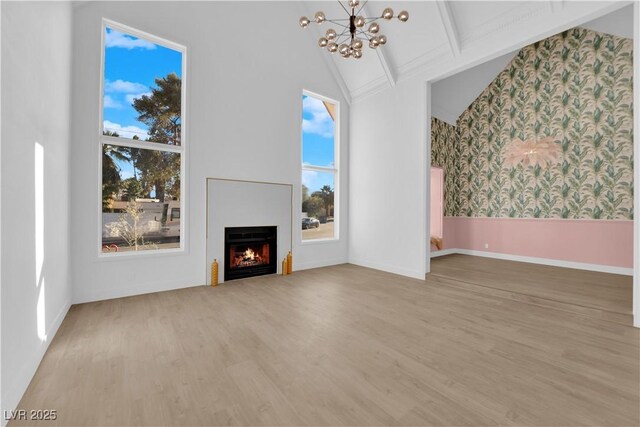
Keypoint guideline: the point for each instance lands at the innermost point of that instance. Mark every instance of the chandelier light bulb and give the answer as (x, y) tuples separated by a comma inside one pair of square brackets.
[(355, 32)]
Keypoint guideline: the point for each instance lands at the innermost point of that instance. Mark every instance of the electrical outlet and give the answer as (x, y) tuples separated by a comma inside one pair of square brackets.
[(486, 246)]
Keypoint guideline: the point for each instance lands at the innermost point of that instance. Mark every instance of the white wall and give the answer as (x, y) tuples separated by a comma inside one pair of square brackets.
[(453, 95), (388, 145), (247, 204), (36, 290), (636, 162), (618, 23), (1, 393), (247, 64), (389, 183)]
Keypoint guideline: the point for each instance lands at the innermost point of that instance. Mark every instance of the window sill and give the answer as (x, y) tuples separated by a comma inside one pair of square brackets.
[(135, 255), (319, 241)]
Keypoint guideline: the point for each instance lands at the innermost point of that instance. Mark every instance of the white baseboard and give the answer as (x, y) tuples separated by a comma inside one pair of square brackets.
[(12, 394), (443, 252), (543, 261), (317, 264), (129, 291), (388, 268)]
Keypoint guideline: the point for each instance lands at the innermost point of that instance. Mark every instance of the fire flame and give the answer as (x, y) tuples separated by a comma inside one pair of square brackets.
[(249, 254)]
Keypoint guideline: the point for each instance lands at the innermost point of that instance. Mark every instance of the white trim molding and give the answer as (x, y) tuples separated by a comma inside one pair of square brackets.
[(181, 149), (414, 274), (535, 260), (636, 156), (449, 24)]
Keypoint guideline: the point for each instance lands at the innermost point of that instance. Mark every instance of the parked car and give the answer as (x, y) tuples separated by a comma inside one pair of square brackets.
[(310, 223)]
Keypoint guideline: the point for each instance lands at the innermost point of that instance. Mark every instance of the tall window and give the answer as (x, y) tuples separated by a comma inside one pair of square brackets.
[(141, 139), (319, 167)]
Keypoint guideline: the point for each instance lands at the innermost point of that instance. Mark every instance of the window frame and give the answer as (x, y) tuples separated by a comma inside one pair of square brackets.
[(335, 170), (182, 149)]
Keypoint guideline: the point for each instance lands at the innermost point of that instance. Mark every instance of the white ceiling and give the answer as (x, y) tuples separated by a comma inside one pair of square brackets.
[(618, 23), (443, 31), (451, 96)]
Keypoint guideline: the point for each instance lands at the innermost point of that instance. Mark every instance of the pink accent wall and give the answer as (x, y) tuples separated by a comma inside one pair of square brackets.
[(602, 242), (437, 201)]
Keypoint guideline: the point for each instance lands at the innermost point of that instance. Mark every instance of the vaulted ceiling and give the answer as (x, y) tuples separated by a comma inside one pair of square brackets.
[(451, 96), (437, 31)]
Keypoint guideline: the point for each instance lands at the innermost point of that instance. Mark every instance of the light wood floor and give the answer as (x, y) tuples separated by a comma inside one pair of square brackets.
[(602, 295), (341, 345)]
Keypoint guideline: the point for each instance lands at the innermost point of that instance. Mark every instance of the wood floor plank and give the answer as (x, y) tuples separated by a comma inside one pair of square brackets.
[(341, 345), (590, 289)]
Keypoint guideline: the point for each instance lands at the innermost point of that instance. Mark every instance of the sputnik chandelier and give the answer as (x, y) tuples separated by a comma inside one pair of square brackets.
[(352, 36)]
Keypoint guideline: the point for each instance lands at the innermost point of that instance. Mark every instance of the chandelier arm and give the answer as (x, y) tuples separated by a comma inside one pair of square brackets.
[(362, 7), (334, 20), (365, 34), (342, 25), (343, 34), (345, 9), (339, 38)]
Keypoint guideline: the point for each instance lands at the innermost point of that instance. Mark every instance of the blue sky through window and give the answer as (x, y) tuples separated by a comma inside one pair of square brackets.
[(318, 129), (131, 66)]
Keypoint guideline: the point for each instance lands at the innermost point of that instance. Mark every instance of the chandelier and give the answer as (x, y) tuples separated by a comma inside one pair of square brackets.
[(532, 152), (353, 34)]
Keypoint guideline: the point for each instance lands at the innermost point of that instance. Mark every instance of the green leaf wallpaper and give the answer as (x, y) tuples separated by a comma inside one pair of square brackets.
[(575, 87)]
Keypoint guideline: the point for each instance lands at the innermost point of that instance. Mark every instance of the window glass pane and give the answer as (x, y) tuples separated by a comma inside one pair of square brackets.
[(142, 89), (317, 205), (140, 199), (318, 129)]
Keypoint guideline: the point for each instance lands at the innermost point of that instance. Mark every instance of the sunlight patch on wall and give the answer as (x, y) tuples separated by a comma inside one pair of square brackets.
[(39, 236)]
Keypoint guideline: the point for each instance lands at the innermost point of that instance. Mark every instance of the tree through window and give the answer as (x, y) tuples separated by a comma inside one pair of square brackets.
[(319, 167), (141, 142)]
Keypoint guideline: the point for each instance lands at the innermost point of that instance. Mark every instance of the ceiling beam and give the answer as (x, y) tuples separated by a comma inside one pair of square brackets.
[(384, 62), (382, 57), (556, 5), (449, 26)]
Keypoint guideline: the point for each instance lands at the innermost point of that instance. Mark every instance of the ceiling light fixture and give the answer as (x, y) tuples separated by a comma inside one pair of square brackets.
[(532, 152), (353, 34)]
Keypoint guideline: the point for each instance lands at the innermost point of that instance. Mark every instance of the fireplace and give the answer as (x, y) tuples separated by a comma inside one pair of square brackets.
[(250, 251)]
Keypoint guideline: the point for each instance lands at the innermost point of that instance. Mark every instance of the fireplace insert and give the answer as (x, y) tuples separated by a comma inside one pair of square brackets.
[(250, 251)]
